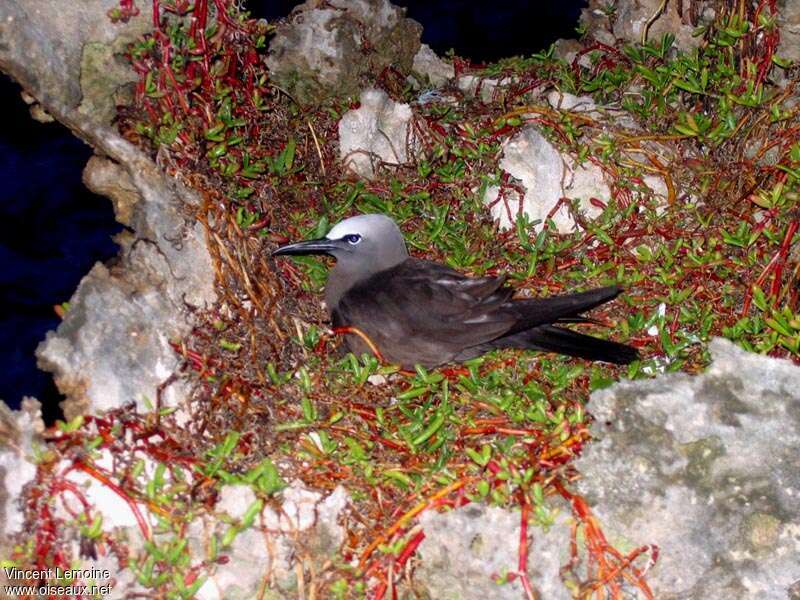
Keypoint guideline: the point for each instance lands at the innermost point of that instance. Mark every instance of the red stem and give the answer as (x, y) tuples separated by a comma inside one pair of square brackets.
[(119, 491), (522, 566)]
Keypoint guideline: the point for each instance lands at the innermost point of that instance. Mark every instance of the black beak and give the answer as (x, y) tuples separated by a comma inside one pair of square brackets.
[(320, 246)]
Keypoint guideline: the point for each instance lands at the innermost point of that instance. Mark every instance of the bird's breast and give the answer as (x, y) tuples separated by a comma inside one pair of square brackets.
[(396, 344)]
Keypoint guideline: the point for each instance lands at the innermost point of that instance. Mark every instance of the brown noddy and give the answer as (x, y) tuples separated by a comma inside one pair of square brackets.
[(417, 311)]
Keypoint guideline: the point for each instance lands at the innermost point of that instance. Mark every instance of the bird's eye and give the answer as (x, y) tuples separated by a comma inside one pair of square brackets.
[(352, 238)]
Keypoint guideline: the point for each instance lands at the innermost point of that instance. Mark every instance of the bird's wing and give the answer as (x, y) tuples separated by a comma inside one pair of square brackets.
[(426, 304), (477, 287), (462, 295)]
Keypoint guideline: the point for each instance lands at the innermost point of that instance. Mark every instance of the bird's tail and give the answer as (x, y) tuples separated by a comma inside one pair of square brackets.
[(565, 308), (565, 341)]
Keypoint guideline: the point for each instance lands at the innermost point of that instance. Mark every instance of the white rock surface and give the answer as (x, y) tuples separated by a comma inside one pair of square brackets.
[(377, 131), (708, 469), (110, 350), (789, 24), (254, 556), (319, 51), (605, 115), (565, 101), (20, 431), (234, 500), (301, 508), (268, 550), (98, 356), (115, 511), (428, 64), (318, 31), (376, 380), (630, 17), (487, 87), (546, 176), (466, 550)]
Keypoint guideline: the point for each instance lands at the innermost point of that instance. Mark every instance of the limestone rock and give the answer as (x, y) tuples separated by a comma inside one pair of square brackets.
[(20, 434), (44, 48), (546, 177), (113, 345), (630, 17), (467, 552), (105, 502), (269, 549), (789, 24), (326, 50), (567, 50), (596, 23), (566, 101), (106, 76), (430, 66), (109, 179), (486, 88), (253, 557), (708, 469), (66, 60), (20, 431), (378, 131), (235, 499)]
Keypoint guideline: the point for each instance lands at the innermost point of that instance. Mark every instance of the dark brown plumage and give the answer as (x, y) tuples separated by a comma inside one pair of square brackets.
[(421, 312)]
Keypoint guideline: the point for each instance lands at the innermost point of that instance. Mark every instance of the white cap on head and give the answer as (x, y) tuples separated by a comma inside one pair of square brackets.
[(362, 225)]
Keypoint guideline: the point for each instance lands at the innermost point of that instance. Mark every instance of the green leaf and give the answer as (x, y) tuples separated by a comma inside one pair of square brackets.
[(431, 429)]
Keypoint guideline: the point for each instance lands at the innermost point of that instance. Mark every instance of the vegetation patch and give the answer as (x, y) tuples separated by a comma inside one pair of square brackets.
[(275, 400)]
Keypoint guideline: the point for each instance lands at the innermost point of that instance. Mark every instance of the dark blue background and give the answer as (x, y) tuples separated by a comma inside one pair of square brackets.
[(52, 230)]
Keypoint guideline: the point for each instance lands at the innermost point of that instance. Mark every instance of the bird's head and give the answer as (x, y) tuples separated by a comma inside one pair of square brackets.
[(363, 244)]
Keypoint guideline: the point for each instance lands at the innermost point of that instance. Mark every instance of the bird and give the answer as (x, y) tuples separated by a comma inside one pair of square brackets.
[(420, 312)]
